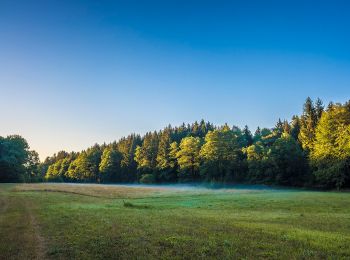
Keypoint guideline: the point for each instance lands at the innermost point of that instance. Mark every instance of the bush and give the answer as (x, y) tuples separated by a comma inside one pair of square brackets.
[(147, 179)]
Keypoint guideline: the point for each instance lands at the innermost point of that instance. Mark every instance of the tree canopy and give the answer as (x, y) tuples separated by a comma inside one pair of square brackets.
[(312, 149), (17, 162)]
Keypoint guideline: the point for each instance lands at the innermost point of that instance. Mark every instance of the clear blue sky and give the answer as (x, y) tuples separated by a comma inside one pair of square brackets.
[(73, 73)]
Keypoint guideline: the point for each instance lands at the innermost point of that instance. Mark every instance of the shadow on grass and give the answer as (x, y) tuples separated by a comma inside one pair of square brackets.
[(128, 204)]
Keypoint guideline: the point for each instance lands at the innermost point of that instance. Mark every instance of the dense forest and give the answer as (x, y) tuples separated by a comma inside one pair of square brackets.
[(310, 150)]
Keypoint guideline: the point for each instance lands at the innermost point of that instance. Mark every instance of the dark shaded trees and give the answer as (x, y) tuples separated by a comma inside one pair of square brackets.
[(128, 166), (17, 162), (289, 161), (247, 137)]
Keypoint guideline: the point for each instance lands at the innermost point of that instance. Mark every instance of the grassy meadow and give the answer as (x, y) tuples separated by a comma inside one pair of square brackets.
[(64, 221)]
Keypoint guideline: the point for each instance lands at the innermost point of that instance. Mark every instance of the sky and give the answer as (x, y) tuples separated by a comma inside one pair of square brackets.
[(75, 73)]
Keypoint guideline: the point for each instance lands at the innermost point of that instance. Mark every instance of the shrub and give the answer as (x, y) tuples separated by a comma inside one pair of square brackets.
[(147, 179)]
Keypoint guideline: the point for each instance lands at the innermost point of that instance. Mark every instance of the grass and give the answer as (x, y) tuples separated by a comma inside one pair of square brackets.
[(59, 221)]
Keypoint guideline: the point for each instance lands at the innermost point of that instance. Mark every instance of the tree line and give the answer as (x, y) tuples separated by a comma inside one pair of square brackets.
[(311, 150)]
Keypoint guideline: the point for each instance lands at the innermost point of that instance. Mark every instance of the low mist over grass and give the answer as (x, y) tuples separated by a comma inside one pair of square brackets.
[(90, 221)]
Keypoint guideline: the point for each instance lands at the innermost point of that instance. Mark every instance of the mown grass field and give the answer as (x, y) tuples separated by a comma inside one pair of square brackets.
[(62, 221)]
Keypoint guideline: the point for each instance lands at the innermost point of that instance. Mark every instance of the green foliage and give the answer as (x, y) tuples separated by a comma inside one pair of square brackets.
[(316, 142), (219, 152), (17, 162), (260, 167), (308, 122), (247, 137), (289, 160), (146, 155), (127, 147), (174, 149), (188, 158), (33, 167), (147, 178), (163, 158), (330, 155), (53, 172), (283, 163), (166, 158), (279, 128), (295, 127), (109, 168), (170, 173), (86, 166)]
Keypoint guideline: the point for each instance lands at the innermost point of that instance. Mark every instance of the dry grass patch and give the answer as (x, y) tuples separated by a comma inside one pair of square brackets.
[(125, 191), (92, 190)]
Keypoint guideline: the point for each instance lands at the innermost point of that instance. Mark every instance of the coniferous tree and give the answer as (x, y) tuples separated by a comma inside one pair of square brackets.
[(319, 108), (195, 130), (307, 125), (146, 154), (257, 135), (247, 137), (279, 128), (173, 150), (286, 127), (163, 160), (165, 166), (203, 130), (295, 127), (127, 147)]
